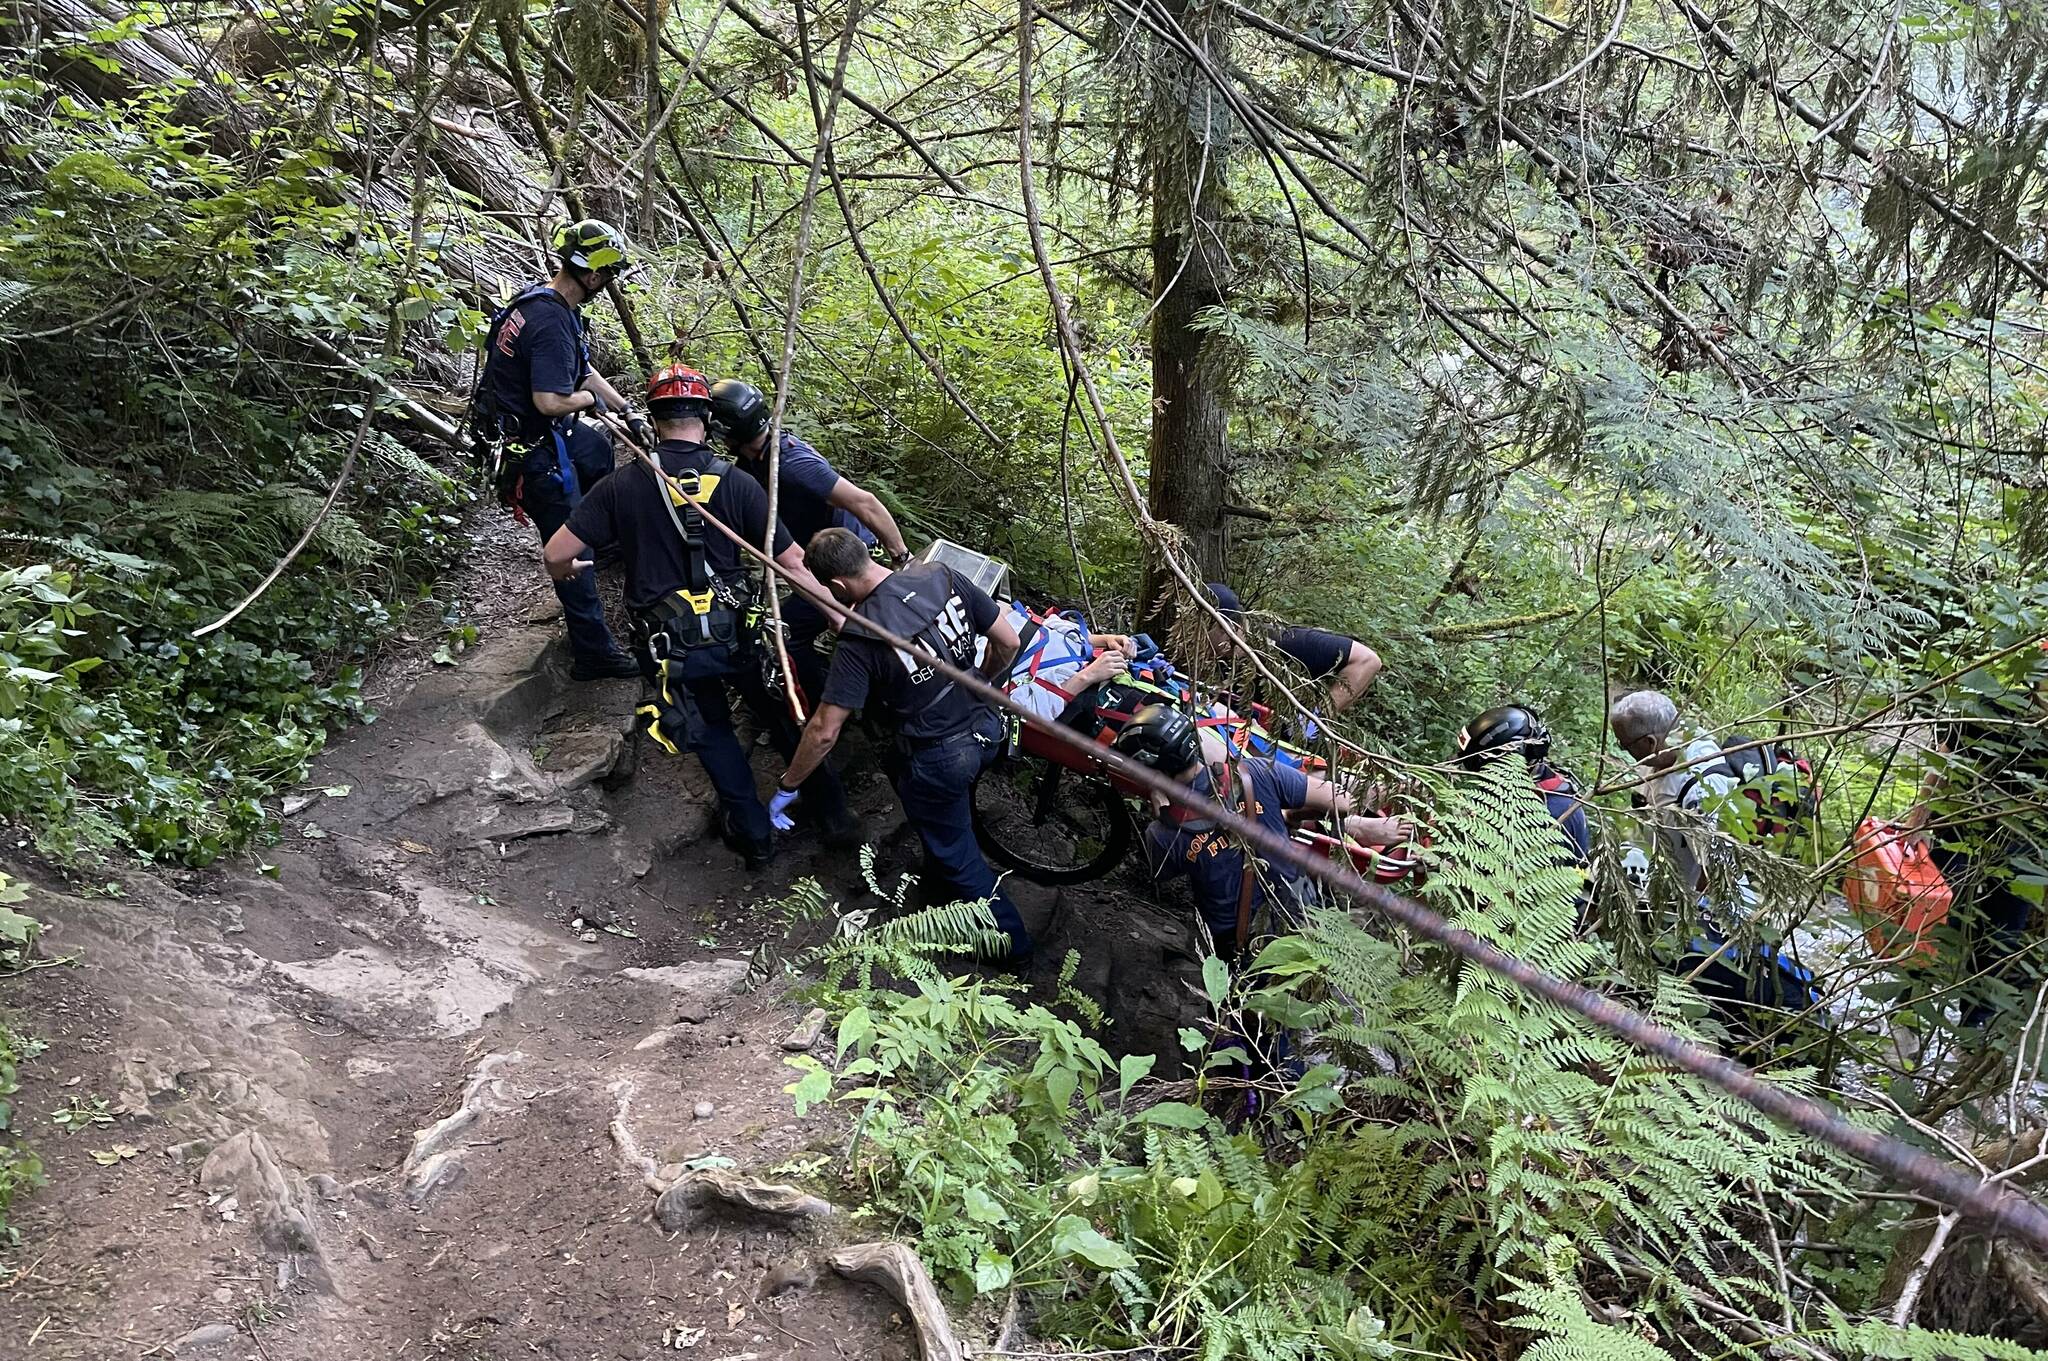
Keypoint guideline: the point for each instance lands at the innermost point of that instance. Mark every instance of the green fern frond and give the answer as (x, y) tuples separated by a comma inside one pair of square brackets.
[(1565, 1331), (1070, 996), (1877, 1340), (907, 946)]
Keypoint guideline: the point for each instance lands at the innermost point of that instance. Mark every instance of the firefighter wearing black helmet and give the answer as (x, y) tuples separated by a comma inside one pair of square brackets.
[(1232, 886), (691, 594), (810, 496), (537, 398), (1511, 730)]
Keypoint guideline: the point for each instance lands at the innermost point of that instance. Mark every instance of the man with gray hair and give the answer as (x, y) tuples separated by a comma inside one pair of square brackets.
[(1681, 778)]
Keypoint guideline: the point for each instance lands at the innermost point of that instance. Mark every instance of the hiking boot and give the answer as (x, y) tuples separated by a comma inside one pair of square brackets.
[(618, 666), (756, 854)]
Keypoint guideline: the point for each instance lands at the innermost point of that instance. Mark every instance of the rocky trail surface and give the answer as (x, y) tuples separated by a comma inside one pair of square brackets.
[(472, 1063)]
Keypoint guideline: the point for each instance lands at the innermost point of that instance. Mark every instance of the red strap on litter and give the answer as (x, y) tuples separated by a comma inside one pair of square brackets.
[(1038, 656)]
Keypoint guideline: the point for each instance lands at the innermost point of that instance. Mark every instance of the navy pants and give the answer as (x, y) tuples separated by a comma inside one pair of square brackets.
[(933, 781), (705, 675), (548, 500)]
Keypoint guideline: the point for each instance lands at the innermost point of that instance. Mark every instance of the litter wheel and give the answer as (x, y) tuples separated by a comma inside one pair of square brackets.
[(1050, 824)]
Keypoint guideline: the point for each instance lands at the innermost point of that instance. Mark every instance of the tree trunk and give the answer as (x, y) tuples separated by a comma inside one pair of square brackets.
[(1189, 448)]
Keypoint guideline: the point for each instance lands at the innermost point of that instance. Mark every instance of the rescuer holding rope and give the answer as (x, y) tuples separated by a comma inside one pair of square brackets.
[(695, 611), (945, 735)]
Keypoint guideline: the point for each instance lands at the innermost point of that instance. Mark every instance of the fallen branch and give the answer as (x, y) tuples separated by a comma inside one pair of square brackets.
[(1480, 628), (1909, 1294), (897, 1269)]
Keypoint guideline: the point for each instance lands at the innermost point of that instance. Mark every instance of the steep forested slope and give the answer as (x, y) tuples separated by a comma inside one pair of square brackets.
[(1554, 350)]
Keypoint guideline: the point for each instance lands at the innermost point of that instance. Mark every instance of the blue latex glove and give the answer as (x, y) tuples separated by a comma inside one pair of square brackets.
[(778, 809), (1309, 728)]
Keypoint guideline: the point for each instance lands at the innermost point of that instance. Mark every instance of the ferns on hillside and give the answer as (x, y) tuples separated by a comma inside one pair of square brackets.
[(1565, 1331), (1880, 1341), (222, 526), (1518, 1126), (908, 947)]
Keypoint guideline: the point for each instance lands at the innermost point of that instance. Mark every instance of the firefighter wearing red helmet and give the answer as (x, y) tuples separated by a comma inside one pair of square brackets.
[(692, 597), (533, 418)]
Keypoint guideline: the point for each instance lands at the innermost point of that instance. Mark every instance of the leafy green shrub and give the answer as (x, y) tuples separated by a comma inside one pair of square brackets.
[(162, 445), (1006, 1133), (1447, 1160), (19, 1168), (165, 750)]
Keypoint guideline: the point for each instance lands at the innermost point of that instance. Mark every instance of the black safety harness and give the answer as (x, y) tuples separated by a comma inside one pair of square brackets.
[(492, 431), (707, 613)]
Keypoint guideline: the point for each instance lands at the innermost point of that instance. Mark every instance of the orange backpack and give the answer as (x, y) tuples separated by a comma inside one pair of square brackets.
[(1894, 884)]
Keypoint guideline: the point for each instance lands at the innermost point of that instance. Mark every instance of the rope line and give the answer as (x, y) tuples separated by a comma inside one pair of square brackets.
[(1999, 1208)]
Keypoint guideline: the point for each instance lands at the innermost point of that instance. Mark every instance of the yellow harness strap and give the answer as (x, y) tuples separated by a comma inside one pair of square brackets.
[(683, 488)]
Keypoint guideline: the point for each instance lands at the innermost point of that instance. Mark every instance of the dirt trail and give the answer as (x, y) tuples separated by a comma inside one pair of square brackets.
[(410, 1091), (271, 1047)]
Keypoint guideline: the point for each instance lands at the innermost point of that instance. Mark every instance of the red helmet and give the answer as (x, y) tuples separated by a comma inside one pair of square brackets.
[(677, 383)]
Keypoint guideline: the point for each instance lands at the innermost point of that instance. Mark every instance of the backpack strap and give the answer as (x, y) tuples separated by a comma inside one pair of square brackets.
[(1696, 774), (496, 328)]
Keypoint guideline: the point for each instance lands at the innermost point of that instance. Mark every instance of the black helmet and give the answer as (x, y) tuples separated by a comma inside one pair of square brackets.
[(1508, 727), (738, 409), (1162, 737)]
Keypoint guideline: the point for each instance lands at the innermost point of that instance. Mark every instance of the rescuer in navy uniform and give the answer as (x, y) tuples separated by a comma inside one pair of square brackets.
[(535, 391), (810, 496), (694, 615), (945, 735)]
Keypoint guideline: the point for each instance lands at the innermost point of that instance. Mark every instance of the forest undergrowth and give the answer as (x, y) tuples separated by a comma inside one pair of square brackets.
[(1369, 1148), (1554, 351)]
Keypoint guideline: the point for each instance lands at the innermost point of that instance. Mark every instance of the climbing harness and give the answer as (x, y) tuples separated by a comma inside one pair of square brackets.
[(492, 432), (695, 630)]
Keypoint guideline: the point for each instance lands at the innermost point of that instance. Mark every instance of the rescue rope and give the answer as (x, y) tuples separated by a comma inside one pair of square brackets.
[(1999, 1208)]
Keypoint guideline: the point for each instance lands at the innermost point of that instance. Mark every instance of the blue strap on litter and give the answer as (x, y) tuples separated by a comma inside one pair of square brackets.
[(1034, 656)]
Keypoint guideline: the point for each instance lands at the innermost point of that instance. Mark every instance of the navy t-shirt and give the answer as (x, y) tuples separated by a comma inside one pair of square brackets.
[(1571, 816), (920, 702), (1212, 858), (803, 499), (625, 509), (1318, 651), (540, 348)]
